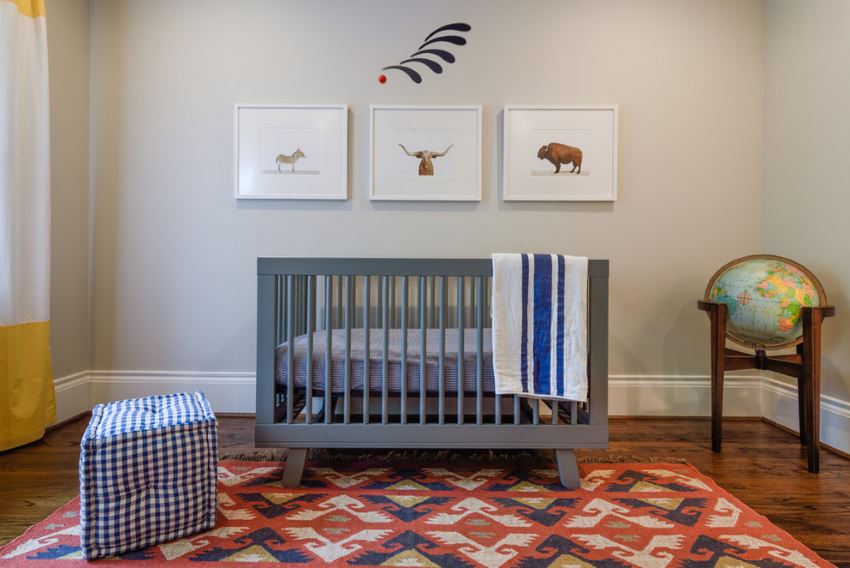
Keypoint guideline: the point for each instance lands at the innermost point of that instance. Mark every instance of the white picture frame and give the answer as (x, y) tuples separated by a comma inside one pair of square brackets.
[(400, 134), (291, 151), (563, 135)]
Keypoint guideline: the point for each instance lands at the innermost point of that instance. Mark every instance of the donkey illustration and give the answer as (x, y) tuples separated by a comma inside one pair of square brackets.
[(290, 159), (426, 166)]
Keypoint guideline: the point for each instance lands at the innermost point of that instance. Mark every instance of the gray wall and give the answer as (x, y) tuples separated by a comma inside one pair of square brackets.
[(175, 254), (68, 53), (807, 138)]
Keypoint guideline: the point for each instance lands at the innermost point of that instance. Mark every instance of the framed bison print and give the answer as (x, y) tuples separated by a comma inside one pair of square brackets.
[(425, 153), (291, 152), (560, 153)]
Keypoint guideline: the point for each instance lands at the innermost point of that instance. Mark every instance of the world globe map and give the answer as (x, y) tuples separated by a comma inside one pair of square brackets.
[(765, 296)]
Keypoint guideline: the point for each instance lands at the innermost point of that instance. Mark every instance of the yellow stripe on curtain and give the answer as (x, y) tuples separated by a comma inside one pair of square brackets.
[(27, 408), (27, 399), (31, 8)]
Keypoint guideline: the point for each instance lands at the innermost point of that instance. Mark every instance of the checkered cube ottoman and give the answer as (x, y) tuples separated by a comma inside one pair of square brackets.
[(147, 472)]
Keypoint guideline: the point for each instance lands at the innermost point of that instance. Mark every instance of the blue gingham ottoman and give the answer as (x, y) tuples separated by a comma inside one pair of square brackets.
[(147, 472)]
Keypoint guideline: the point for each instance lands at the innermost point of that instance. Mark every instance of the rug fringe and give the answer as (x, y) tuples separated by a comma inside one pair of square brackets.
[(474, 457), (626, 458)]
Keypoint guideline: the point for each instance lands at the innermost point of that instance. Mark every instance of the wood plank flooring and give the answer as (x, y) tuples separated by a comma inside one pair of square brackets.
[(761, 464)]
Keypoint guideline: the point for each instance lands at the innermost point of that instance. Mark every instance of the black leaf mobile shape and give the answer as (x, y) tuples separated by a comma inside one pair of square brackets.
[(422, 54)]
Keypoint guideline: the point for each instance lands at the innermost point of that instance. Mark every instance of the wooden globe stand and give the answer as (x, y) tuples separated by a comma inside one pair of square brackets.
[(803, 366)]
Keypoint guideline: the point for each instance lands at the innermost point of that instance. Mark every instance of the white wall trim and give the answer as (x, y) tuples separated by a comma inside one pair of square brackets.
[(227, 392), (780, 406), (78, 393), (628, 395), (681, 395), (172, 376), (69, 381), (73, 395)]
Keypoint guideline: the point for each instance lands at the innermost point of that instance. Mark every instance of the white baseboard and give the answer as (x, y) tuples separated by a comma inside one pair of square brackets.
[(628, 395), (780, 406), (681, 395), (78, 393), (73, 395), (227, 392)]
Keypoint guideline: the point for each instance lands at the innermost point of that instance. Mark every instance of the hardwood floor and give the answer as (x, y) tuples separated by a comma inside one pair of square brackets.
[(760, 464)]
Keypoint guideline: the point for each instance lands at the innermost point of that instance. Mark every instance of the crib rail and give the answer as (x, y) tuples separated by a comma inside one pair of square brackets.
[(315, 297)]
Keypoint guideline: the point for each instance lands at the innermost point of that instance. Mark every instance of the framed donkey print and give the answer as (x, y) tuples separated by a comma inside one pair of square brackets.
[(291, 151)]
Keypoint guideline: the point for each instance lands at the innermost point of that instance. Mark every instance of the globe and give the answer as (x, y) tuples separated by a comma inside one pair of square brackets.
[(765, 295)]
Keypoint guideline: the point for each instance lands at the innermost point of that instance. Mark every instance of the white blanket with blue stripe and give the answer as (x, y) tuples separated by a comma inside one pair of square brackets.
[(540, 325)]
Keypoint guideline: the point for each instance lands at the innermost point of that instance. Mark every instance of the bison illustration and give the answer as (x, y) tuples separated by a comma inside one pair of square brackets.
[(561, 154)]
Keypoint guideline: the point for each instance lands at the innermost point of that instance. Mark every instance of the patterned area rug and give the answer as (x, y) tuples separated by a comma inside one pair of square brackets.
[(449, 515)]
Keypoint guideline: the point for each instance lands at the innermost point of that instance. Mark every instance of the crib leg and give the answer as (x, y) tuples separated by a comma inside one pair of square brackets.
[(568, 468), (294, 467)]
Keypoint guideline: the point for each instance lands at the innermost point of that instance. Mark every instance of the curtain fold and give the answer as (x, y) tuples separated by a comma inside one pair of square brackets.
[(27, 400)]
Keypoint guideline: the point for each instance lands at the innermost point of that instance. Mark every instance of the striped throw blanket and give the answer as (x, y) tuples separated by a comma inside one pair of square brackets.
[(540, 325)]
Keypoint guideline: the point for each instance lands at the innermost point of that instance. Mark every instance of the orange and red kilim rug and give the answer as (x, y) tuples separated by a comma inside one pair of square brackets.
[(648, 515)]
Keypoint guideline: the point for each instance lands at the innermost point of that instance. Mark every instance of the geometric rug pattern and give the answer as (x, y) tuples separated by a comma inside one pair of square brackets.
[(454, 516)]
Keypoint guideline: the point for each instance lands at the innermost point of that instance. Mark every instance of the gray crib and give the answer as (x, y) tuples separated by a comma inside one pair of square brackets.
[(395, 353)]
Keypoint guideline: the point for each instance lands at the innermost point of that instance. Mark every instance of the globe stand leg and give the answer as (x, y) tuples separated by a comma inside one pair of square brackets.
[(803, 366), (802, 405), (812, 319), (717, 313)]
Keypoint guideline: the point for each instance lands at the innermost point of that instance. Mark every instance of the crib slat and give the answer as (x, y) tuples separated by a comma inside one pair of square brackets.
[(329, 285), (281, 309), (392, 302), (285, 291), (294, 293), (441, 372), (433, 301), (385, 365), (339, 301), (290, 351), (460, 348), (310, 322), (516, 410), (305, 314), (423, 310), (573, 413), (471, 307), (378, 304), (352, 298), (497, 399), (535, 411), (554, 412), (367, 300), (486, 300), (346, 400), (313, 290), (299, 304), (295, 307), (404, 306), (479, 368)]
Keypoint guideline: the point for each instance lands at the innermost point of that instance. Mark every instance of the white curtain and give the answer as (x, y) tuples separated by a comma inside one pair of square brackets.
[(27, 401)]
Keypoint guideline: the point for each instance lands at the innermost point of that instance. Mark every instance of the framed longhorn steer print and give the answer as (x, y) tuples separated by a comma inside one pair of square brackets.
[(425, 153), (560, 153)]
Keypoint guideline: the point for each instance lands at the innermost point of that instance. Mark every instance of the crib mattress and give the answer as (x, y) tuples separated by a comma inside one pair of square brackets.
[(432, 338)]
